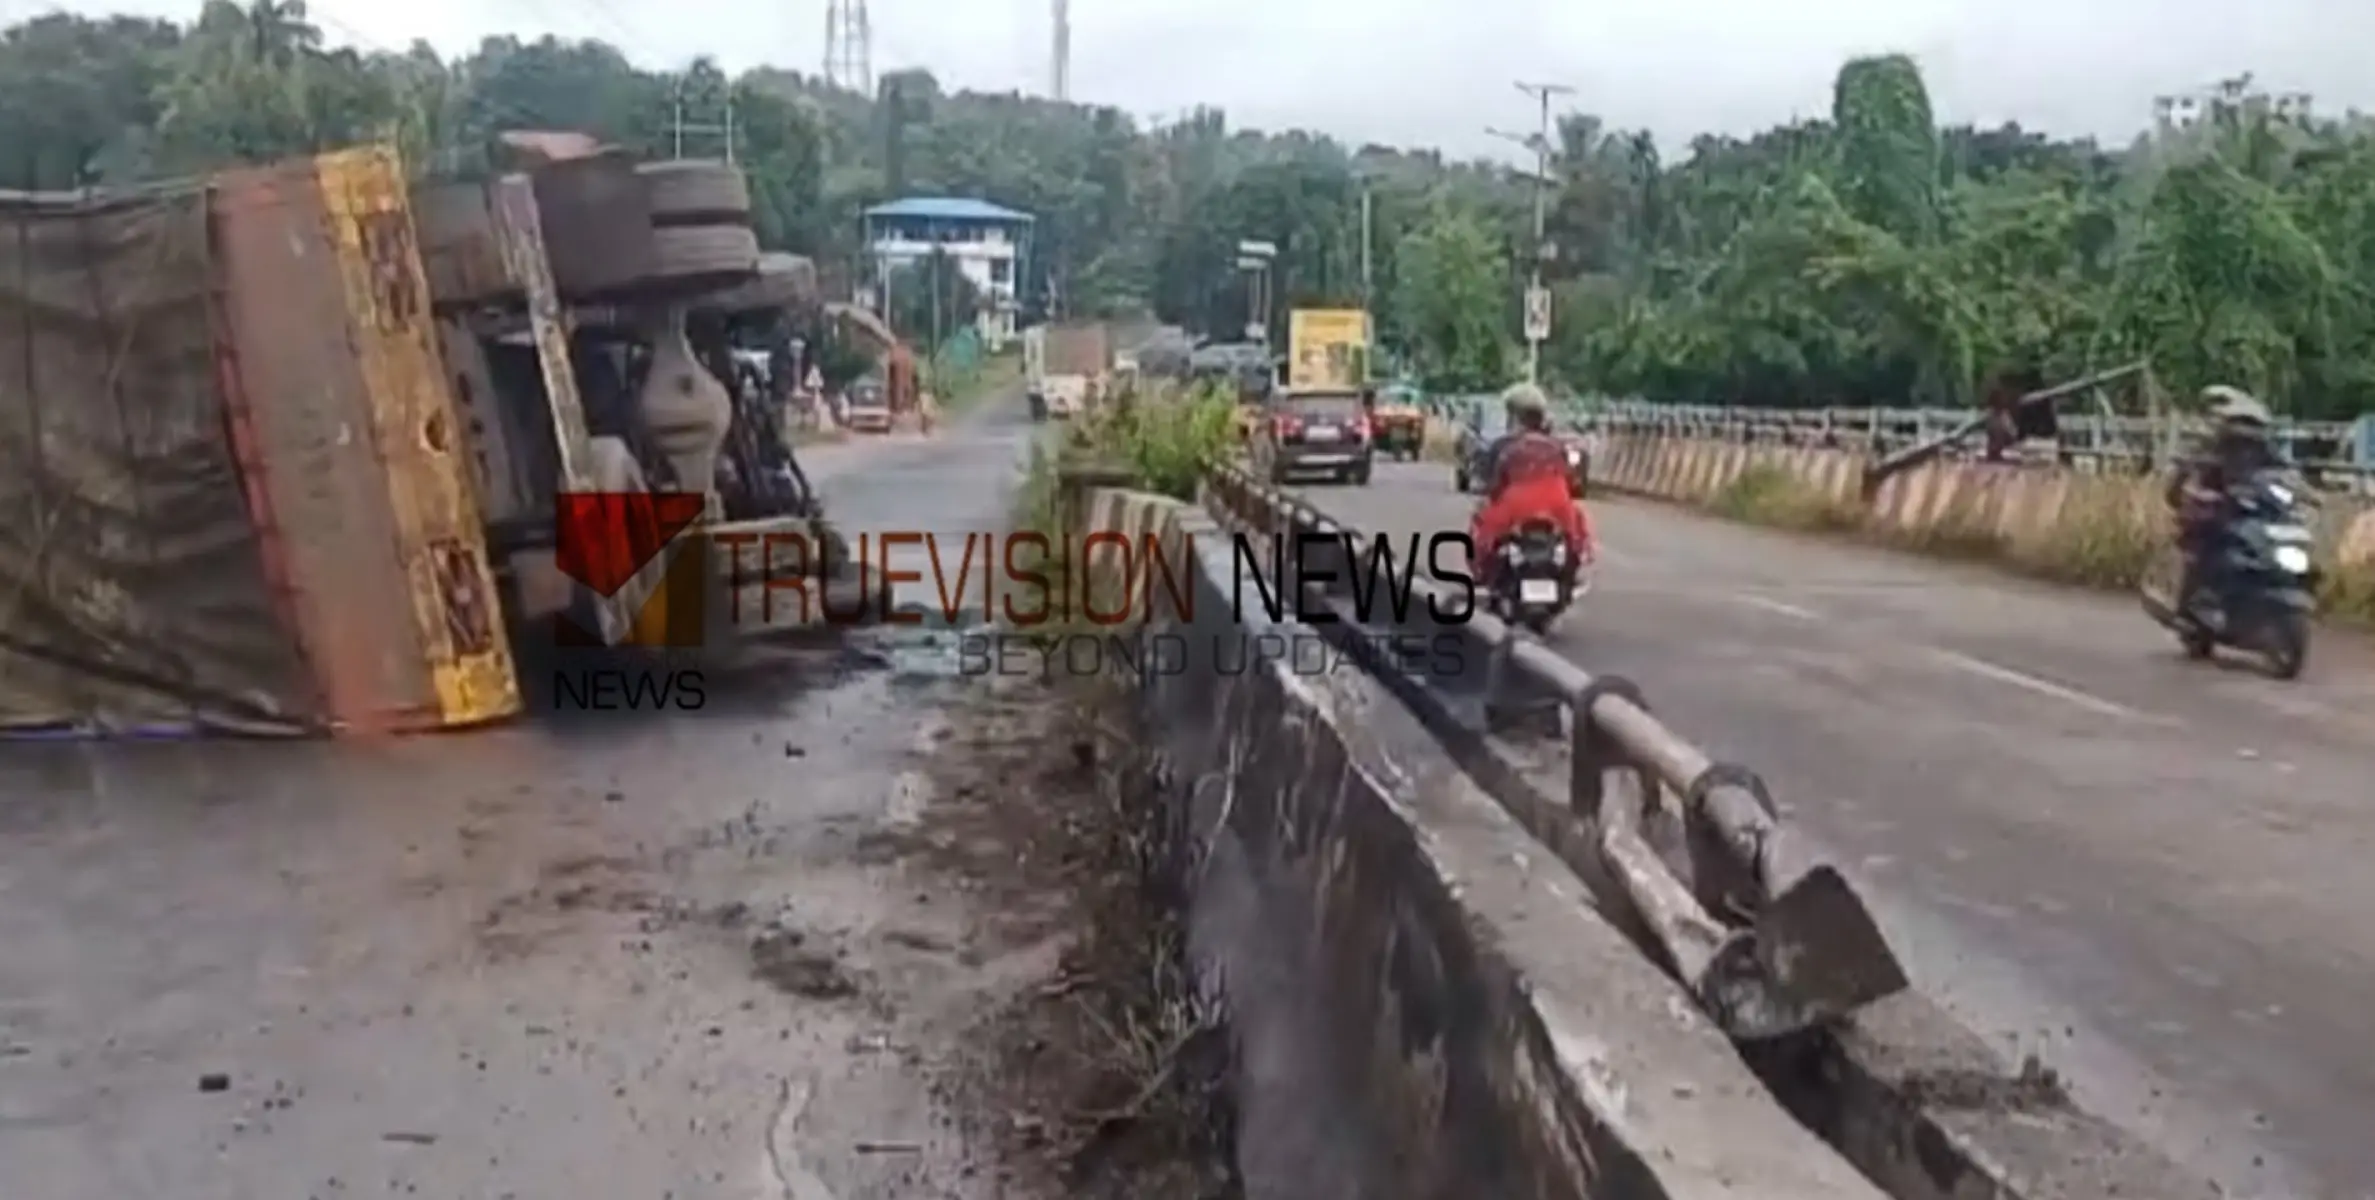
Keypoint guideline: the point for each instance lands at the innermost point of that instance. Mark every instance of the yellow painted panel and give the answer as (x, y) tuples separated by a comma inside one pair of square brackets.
[(419, 434), (1327, 347)]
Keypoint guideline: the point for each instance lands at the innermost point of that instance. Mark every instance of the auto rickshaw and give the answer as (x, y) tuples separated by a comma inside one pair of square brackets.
[(1397, 422)]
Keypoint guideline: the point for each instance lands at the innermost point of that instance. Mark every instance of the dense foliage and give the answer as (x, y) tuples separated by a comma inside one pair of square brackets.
[(1868, 258)]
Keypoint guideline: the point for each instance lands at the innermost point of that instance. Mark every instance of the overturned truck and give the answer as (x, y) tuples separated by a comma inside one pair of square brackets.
[(229, 496), (278, 457)]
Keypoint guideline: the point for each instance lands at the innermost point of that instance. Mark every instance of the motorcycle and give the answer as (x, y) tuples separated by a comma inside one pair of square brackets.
[(2257, 589), (1538, 579)]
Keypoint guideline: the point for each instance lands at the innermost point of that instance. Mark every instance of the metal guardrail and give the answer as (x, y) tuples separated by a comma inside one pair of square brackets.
[(1772, 942), (1792, 948), (2322, 449)]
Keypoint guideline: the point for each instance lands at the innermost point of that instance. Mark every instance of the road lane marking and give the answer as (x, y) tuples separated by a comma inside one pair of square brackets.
[(2043, 687), (1772, 605)]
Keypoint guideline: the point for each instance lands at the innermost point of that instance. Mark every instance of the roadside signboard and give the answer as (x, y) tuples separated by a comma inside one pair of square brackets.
[(1537, 314)]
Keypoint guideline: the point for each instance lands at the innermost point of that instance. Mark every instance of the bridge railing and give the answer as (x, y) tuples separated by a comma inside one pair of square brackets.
[(2088, 442), (1691, 854)]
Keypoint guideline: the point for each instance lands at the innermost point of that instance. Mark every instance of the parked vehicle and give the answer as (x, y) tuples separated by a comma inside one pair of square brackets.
[(1483, 425), (2258, 583), (1315, 433), (1065, 367), (1534, 578), (866, 406), (1399, 424)]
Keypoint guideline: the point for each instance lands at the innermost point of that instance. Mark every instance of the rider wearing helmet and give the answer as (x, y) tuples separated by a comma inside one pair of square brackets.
[(1526, 480), (2237, 450)]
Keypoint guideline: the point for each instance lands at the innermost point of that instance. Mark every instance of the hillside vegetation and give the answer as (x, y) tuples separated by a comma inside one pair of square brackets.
[(1870, 258)]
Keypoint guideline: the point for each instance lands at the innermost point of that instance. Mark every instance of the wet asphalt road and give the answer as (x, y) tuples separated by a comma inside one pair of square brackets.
[(2157, 874), (634, 957)]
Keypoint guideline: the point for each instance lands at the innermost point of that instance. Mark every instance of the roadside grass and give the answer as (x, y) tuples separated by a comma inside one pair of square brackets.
[(1107, 1077), (2103, 538), (2348, 592), (1129, 1057), (2098, 539), (1161, 440), (1765, 494)]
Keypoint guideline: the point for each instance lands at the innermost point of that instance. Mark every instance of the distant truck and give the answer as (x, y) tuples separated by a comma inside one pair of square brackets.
[(1064, 367), (1328, 348)]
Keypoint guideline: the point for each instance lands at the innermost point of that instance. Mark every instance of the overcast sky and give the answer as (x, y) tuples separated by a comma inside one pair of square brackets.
[(1436, 72)]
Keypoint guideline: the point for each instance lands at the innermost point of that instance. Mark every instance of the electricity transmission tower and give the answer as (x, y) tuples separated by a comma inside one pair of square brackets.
[(849, 46), (1063, 50)]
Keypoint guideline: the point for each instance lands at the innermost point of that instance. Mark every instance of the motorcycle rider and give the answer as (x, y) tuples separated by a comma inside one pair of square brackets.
[(1526, 480), (2198, 493)]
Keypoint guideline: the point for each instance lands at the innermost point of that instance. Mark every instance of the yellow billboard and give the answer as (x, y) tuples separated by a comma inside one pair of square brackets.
[(1327, 347)]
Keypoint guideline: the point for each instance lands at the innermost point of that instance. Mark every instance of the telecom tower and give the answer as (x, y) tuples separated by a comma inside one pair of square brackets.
[(1063, 54), (849, 46)]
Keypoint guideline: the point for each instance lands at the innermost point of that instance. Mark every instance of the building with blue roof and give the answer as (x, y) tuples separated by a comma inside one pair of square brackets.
[(988, 243)]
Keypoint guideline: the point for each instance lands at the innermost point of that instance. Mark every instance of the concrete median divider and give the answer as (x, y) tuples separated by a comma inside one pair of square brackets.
[(1677, 858), (1424, 1001)]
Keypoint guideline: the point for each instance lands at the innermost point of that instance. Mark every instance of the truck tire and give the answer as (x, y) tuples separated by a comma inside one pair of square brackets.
[(597, 224), (703, 255), (696, 193)]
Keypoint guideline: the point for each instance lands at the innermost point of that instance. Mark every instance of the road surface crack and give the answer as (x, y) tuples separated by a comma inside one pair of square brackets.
[(793, 1179)]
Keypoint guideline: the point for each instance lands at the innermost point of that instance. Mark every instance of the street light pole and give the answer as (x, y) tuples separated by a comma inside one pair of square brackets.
[(1542, 93), (1368, 266)]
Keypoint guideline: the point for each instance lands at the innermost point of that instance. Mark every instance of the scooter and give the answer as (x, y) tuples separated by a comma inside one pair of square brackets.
[(1538, 579), (2258, 588)]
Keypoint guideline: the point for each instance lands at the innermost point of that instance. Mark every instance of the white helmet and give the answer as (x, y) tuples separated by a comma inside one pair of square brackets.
[(1524, 398), (2234, 406)]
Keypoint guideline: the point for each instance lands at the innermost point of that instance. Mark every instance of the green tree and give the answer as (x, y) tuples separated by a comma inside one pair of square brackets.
[(1451, 302), (1868, 257), (931, 299)]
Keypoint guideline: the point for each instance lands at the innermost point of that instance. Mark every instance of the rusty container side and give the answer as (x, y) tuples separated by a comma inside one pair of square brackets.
[(330, 354), (421, 436)]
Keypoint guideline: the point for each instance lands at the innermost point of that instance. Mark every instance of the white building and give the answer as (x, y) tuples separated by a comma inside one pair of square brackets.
[(987, 243)]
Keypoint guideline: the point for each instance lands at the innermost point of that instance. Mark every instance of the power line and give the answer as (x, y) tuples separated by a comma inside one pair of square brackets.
[(849, 46)]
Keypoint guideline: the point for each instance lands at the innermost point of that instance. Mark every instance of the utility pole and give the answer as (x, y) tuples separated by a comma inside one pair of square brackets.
[(1537, 308), (1368, 263), (1255, 259)]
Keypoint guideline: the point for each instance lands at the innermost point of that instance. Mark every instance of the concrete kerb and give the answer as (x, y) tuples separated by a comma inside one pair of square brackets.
[(1913, 1098), (1380, 923)]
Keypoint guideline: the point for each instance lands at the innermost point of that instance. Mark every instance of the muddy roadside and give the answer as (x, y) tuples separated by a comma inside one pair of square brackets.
[(1108, 1075), (835, 937)]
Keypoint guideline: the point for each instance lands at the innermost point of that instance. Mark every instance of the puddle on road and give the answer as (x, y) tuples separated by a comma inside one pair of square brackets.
[(925, 645)]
